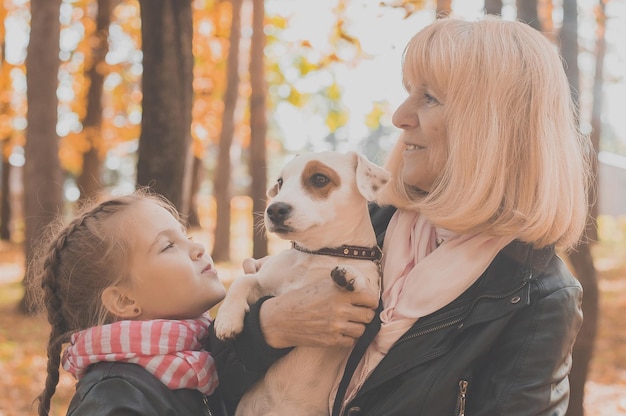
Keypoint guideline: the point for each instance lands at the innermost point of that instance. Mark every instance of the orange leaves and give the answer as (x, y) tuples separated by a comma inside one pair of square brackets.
[(210, 46), (409, 6)]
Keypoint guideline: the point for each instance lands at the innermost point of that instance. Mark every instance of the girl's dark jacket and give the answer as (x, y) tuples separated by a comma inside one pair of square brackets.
[(115, 389), (501, 348)]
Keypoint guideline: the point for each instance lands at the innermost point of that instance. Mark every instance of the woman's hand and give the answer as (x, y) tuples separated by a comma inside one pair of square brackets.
[(320, 314)]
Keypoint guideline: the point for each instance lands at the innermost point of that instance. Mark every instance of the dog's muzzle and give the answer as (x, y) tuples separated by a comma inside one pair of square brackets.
[(278, 213)]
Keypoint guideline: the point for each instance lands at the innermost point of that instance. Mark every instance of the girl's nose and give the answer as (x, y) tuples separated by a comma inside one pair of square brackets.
[(405, 117), (197, 250)]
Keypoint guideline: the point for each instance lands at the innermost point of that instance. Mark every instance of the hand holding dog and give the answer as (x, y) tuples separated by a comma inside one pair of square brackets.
[(299, 317)]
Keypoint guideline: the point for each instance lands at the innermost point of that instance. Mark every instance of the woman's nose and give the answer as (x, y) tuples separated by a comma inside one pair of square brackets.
[(405, 117)]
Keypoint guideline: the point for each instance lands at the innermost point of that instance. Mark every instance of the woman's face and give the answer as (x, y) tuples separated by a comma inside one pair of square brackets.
[(421, 117)]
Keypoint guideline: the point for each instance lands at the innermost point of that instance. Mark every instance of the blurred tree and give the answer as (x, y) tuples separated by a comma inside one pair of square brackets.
[(12, 107), (493, 7), (222, 187), (43, 179), (258, 128), (164, 153), (444, 8), (5, 191), (527, 12), (89, 181), (197, 176), (581, 258), (5, 132)]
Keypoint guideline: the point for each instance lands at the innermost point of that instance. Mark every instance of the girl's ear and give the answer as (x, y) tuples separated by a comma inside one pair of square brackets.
[(118, 302)]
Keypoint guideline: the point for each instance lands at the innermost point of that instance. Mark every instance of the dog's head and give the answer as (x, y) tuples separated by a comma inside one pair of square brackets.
[(315, 191)]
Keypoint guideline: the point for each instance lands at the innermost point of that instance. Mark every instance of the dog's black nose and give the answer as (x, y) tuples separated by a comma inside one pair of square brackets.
[(278, 212)]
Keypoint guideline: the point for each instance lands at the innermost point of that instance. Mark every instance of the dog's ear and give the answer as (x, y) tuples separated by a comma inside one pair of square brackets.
[(370, 178), (272, 191)]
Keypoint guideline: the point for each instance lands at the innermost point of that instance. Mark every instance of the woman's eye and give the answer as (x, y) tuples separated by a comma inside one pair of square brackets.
[(319, 181), (430, 99)]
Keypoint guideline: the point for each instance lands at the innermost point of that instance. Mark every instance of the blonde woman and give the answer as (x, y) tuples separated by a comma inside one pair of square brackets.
[(478, 314)]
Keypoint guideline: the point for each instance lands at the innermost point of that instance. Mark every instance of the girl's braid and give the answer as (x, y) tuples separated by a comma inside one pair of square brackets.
[(53, 299)]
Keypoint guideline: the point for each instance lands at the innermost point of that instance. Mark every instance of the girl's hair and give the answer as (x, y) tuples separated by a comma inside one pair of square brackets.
[(80, 260), (517, 164)]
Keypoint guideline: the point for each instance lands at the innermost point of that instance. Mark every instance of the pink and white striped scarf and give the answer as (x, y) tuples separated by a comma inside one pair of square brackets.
[(169, 349)]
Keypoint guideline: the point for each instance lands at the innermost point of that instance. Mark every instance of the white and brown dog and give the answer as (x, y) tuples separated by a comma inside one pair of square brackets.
[(319, 202)]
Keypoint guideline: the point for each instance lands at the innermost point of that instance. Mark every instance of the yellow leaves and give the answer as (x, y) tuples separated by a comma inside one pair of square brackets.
[(333, 92), (336, 119), (279, 22), (337, 116), (296, 98), (305, 66), (372, 119)]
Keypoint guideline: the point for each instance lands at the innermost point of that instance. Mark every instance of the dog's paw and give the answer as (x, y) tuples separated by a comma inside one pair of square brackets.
[(228, 324), (227, 330), (341, 278)]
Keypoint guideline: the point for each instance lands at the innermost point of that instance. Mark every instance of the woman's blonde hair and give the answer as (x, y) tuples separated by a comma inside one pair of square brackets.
[(517, 164)]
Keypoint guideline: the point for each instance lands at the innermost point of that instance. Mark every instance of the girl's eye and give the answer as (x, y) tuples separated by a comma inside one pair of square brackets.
[(169, 245), (319, 181)]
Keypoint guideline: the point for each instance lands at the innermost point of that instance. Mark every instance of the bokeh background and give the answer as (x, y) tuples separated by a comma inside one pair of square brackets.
[(204, 100)]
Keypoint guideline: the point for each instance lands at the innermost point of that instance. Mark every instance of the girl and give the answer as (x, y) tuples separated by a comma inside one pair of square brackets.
[(129, 291)]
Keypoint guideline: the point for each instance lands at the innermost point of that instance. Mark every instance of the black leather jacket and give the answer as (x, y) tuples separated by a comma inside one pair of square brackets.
[(501, 348), (113, 388)]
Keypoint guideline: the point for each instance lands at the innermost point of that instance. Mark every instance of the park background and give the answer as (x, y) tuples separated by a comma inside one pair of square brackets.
[(190, 97)]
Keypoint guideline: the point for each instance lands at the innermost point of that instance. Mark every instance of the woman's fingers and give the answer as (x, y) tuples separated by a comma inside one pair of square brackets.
[(320, 314)]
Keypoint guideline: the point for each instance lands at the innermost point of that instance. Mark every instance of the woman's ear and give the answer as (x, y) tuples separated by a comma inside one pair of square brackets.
[(120, 303)]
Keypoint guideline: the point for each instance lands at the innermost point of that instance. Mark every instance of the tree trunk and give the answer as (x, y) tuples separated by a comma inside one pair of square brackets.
[(258, 129), (493, 7), (222, 184), (444, 8), (43, 179), (527, 12), (5, 166), (581, 258), (197, 174), (5, 194), (89, 181), (164, 143), (582, 262)]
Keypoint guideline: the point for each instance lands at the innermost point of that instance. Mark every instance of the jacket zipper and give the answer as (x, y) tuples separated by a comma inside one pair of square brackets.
[(460, 318), (205, 399), (461, 398)]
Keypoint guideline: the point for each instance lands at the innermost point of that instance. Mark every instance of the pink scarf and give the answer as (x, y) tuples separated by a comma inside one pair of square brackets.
[(420, 277), (169, 349)]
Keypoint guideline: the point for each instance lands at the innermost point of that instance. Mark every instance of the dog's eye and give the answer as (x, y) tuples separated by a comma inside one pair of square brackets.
[(319, 181), (279, 181)]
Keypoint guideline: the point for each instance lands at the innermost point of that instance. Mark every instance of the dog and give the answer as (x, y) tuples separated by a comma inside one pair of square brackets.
[(319, 203)]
